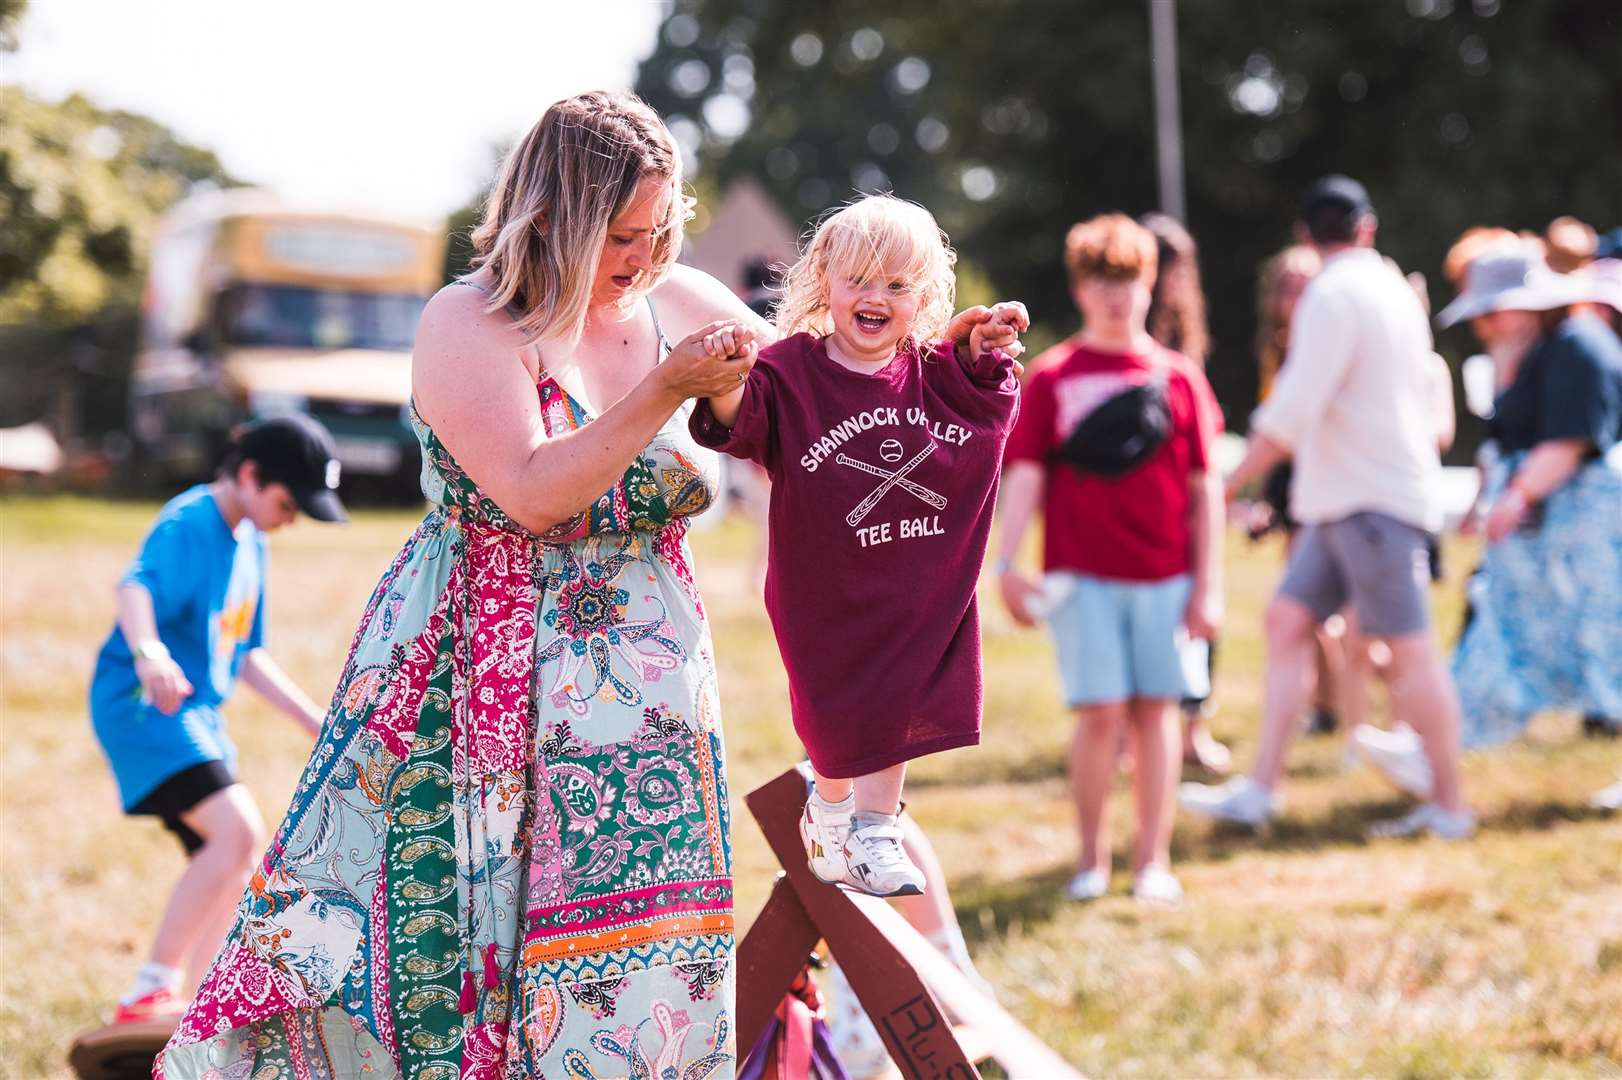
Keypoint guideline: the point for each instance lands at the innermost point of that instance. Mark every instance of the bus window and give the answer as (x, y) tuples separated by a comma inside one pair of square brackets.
[(297, 317)]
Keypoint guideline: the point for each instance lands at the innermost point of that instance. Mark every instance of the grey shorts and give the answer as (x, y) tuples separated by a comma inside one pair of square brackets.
[(1380, 564)]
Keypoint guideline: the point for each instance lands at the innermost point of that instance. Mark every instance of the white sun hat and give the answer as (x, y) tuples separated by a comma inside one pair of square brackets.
[(1512, 279)]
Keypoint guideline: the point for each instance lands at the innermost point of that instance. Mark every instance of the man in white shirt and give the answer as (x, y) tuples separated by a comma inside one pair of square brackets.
[(1351, 405)]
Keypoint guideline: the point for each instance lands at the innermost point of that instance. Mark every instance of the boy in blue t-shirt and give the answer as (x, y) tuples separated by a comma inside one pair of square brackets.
[(191, 617)]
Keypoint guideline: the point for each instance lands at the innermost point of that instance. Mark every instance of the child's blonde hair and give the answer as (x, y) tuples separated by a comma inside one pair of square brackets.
[(876, 235)]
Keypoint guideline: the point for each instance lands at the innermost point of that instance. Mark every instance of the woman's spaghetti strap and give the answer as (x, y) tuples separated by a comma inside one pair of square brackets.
[(511, 309), (664, 342)]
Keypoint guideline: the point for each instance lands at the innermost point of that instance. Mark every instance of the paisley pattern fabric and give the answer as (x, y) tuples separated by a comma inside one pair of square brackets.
[(1546, 624), (508, 855)]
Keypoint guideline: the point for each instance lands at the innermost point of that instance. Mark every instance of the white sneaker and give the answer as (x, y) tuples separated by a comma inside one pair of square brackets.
[(1157, 885), (1088, 884), (1398, 755), (1240, 800), (878, 864), (1427, 817), (1607, 798), (824, 828)]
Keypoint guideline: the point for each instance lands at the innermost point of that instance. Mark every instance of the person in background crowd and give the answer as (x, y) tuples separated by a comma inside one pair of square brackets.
[(1177, 320), (1547, 625), (1473, 242), (191, 621), (1569, 244), (1605, 278), (1283, 278), (1350, 404), (1113, 442), (1366, 659)]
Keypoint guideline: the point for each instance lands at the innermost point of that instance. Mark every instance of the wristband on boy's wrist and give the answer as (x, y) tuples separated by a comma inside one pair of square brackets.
[(151, 649)]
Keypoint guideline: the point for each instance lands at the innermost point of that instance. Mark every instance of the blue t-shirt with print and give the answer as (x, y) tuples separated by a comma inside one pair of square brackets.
[(208, 592)]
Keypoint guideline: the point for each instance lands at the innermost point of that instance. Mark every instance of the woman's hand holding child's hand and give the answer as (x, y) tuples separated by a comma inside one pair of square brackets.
[(710, 362)]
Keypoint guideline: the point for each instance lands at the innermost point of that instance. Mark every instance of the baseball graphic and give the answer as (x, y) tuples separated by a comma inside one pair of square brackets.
[(890, 450)]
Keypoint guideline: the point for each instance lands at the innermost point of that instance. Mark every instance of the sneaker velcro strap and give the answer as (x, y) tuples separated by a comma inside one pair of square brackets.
[(879, 832)]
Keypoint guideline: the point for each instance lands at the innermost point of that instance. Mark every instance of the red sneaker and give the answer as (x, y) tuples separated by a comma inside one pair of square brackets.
[(160, 1004)]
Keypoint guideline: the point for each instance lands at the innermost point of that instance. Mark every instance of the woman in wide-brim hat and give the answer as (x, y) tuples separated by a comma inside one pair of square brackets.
[(1546, 630)]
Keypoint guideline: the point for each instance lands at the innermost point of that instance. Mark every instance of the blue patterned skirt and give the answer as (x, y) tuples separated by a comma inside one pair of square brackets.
[(1546, 632)]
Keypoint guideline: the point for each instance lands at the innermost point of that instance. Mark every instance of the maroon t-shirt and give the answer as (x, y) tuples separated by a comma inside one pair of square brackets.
[(882, 493), (1133, 527)]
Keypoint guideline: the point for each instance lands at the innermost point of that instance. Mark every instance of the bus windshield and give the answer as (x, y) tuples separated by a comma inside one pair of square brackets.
[(299, 317)]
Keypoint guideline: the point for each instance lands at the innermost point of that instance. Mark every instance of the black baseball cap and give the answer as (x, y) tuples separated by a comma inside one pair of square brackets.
[(297, 451), (1339, 192)]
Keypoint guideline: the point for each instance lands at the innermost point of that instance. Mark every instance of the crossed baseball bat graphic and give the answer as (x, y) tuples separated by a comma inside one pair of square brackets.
[(891, 479)]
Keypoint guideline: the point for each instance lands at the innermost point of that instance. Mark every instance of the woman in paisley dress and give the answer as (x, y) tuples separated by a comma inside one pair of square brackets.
[(508, 856)]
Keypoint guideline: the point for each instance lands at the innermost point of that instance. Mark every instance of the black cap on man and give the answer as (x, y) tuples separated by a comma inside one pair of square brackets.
[(1332, 209)]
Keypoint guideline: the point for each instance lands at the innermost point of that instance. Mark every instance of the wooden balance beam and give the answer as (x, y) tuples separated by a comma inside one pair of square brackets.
[(901, 979), (119, 1051)]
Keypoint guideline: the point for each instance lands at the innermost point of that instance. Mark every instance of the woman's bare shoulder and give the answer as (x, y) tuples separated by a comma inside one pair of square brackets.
[(690, 298), (457, 317)]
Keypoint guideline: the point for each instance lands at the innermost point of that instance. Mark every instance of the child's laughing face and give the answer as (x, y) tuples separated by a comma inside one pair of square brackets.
[(871, 317)]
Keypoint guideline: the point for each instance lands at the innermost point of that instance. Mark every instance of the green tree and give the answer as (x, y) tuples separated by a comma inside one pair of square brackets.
[(81, 189), (1013, 120)]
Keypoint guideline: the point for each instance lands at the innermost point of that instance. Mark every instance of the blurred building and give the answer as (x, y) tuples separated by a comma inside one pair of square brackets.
[(744, 224)]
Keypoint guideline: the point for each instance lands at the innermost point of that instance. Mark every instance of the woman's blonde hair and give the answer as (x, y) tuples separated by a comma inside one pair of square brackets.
[(874, 236), (1272, 327), (546, 219)]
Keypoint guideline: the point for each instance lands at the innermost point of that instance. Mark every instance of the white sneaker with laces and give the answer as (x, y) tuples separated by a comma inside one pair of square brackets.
[(1398, 755), (878, 864), (1427, 818), (1088, 884), (1157, 885), (1240, 800), (824, 826)]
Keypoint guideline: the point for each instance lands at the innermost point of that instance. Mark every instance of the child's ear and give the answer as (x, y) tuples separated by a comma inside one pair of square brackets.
[(248, 475)]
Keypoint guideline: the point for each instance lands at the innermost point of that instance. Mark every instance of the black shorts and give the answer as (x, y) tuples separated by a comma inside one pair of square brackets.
[(180, 793)]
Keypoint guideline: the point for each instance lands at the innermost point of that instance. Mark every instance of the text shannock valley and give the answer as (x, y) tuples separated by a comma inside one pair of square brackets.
[(867, 420)]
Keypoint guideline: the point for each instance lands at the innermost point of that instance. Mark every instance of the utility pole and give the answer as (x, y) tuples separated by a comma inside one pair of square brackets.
[(1168, 111)]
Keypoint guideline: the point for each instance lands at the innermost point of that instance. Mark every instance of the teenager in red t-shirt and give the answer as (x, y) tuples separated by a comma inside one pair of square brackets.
[(1132, 561), (884, 455)]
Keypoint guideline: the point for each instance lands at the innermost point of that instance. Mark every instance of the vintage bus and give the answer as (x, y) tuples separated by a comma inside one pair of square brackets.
[(254, 308)]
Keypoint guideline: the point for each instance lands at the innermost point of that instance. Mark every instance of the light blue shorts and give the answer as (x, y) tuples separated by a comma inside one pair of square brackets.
[(1118, 640)]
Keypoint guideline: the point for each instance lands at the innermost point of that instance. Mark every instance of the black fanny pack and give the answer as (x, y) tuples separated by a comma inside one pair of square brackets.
[(1122, 433)]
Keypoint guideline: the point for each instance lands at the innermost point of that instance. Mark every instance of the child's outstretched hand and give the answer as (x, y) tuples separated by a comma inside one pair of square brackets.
[(1000, 329)]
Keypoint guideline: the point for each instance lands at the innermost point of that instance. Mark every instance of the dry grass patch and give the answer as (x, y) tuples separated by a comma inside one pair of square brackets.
[(1308, 952)]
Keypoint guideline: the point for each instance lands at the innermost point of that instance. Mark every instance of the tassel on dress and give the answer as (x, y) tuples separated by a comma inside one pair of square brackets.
[(492, 973)]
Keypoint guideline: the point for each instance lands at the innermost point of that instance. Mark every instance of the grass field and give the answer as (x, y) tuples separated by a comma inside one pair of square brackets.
[(1309, 953)]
